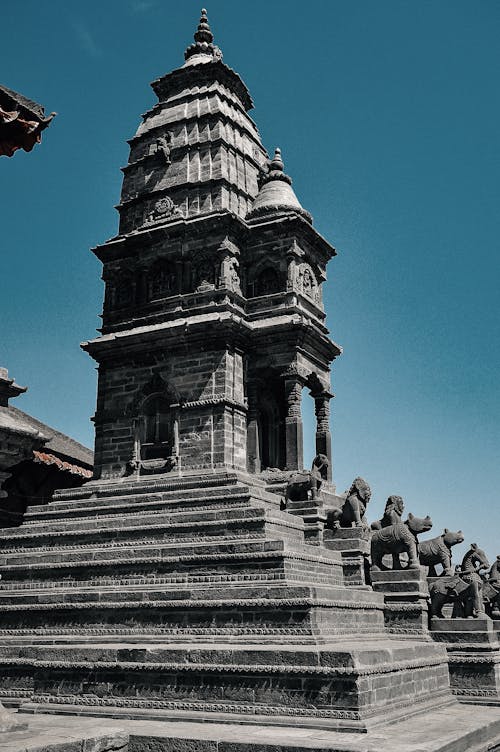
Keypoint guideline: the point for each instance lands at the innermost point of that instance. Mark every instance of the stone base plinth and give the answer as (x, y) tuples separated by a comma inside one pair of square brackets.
[(406, 599), (456, 728), (353, 543), (351, 684), (314, 517), (198, 599), (473, 655)]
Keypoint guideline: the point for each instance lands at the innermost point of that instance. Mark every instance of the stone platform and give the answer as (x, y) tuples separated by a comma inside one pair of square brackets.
[(406, 599), (474, 657), (197, 598), (457, 729)]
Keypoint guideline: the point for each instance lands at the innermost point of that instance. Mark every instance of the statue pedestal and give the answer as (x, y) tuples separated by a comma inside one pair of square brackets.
[(314, 518), (406, 599), (10, 721), (354, 545), (473, 655)]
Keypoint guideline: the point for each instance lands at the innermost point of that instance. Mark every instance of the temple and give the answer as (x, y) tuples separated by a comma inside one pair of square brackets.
[(203, 574), (213, 321)]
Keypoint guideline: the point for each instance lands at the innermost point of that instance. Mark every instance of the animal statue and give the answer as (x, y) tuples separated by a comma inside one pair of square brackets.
[(494, 573), (464, 589), (491, 589), (396, 539), (438, 551), (307, 482), (473, 562), (352, 511), (393, 513)]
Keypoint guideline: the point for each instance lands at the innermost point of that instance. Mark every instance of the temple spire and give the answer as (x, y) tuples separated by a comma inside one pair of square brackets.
[(203, 42)]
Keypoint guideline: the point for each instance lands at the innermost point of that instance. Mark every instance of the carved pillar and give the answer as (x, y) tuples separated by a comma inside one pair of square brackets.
[(294, 435), (253, 444), (323, 435)]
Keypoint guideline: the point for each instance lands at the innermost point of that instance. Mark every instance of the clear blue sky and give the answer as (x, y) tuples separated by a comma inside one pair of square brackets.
[(388, 117)]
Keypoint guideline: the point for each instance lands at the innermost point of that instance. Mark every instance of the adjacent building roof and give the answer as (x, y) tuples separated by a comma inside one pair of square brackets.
[(21, 122), (45, 458), (57, 443), (46, 444)]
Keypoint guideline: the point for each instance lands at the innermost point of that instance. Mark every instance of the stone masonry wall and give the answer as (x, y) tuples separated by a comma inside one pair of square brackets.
[(207, 384)]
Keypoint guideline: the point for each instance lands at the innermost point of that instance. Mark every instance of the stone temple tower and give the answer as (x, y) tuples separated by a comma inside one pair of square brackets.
[(213, 320), (173, 585)]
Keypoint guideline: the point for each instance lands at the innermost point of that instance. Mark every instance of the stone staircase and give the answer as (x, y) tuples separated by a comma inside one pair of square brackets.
[(196, 598)]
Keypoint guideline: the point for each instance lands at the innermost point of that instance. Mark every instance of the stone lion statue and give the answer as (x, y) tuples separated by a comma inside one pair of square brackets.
[(393, 513), (352, 511)]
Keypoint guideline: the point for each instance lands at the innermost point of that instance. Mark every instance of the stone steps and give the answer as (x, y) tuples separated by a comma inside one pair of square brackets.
[(94, 551), (124, 582), (195, 592), (198, 514), (156, 604), (216, 524), (174, 486), (268, 576), (338, 682), (237, 560), (142, 503)]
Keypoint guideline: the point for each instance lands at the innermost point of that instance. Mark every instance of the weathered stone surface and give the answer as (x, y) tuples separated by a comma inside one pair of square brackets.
[(406, 599), (473, 657), (457, 729), (10, 722), (354, 545)]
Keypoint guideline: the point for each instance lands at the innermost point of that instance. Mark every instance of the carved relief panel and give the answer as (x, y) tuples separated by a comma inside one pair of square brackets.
[(161, 280)]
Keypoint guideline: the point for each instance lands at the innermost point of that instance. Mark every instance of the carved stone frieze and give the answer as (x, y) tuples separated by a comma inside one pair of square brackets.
[(160, 209)]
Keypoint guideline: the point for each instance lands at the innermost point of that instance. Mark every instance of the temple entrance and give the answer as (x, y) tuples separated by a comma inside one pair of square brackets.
[(158, 429), (270, 433)]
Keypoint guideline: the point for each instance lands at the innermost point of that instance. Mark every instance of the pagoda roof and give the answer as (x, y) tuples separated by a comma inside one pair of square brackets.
[(57, 443)]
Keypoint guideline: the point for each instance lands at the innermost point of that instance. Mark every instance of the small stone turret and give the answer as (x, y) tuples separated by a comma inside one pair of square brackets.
[(276, 192)]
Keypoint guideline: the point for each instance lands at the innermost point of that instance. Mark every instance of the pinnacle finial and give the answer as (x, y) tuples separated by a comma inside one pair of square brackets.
[(203, 40), (276, 169), (277, 162), (203, 33)]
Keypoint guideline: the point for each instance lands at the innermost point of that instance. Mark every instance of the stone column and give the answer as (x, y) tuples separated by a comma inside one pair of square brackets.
[(294, 437), (323, 435), (253, 447)]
